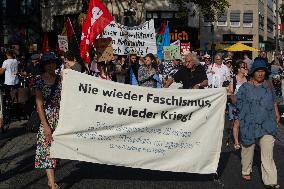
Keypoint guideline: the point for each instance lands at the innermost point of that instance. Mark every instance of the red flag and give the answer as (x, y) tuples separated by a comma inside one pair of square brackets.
[(163, 27), (84, 45), (69, 28), (45, 47), (98, 18)]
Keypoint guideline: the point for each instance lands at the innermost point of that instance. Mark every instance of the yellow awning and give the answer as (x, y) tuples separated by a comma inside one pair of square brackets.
[(240, 47)]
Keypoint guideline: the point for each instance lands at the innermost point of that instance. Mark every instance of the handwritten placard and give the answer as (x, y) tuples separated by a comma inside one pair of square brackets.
[(63, 43), (167, 130), (171, 52), (104, 49), (139, 39)]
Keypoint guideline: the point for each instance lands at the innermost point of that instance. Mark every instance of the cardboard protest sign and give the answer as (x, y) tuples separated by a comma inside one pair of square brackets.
[(167, 53), (104, 49), (185, 48), (171, 52), (140, 127), (63, 43), (141, 39)]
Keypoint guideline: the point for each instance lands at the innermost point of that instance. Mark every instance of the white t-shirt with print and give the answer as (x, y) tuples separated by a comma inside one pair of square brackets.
[(11, 66), (217, 75)]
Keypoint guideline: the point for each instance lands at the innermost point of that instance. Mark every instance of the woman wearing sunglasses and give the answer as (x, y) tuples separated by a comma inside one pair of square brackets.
[(241, 71)]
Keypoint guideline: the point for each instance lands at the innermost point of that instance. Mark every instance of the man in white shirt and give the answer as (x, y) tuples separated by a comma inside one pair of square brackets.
[(217, 73), (10, 68)]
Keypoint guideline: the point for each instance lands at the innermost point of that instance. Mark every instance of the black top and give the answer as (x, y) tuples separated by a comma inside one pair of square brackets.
[(135, 67), (34, 69), (190, 78)]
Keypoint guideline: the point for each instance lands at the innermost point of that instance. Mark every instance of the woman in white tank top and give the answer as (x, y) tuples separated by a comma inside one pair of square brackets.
[(241, 70)]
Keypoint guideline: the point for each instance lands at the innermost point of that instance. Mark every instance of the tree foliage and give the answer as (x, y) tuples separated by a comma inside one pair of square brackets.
[(282, 10), (212, 9)]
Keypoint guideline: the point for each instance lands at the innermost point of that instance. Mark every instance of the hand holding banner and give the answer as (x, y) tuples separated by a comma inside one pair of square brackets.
[(132, 126)]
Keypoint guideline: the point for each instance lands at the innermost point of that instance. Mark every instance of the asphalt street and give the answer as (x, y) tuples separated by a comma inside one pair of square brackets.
[(17, 169)]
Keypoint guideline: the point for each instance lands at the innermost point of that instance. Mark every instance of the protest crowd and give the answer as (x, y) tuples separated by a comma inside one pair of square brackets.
[(32, 85)]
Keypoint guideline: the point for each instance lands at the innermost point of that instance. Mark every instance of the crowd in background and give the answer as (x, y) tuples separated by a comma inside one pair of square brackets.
[(34, 84)]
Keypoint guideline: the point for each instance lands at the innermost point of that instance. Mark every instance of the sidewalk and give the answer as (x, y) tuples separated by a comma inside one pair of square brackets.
[(17, 170)]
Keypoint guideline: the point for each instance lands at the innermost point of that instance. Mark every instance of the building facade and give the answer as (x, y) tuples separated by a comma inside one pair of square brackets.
[(182, 26), (52, 10), (252, 22), (19, 22)]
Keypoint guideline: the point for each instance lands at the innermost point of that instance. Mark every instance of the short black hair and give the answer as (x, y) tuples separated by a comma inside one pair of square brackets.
[(69, 56)]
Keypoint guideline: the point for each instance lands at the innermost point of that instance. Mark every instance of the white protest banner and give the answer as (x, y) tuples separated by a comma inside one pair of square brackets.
[(139, 39), (63, 43), (159, 129)]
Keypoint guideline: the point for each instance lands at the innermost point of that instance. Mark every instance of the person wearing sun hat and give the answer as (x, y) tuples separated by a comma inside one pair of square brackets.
[(47, 88), (259, 119), (207, 61), (228, 61)]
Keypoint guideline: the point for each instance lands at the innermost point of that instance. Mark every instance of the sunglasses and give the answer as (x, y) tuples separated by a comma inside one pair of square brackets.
[(244, 67)]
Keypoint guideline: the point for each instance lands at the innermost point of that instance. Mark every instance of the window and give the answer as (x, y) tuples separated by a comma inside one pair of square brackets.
[(207, 21), (167, 15), (247, 25), (261, 21), (149, 15), (23, 7), (235, 24), (222, 20), (4, 4), (29, 3), (248, 19), (155, 15), (270, 25), (235, 18)]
